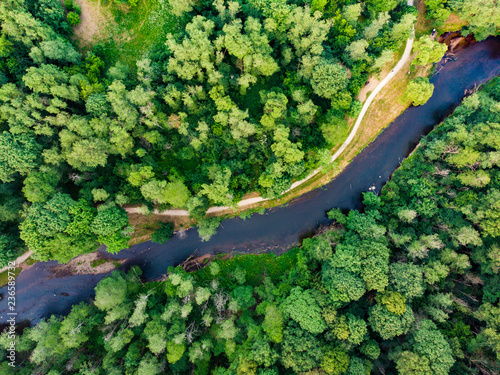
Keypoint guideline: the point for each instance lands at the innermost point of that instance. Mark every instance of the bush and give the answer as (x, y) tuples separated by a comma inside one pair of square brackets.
[(73, 19), (163, 233)]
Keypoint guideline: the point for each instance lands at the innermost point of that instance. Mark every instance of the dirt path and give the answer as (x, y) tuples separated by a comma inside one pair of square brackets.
[(93, 21)]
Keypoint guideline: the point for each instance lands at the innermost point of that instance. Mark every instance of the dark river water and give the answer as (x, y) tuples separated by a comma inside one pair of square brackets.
[(39, 294)]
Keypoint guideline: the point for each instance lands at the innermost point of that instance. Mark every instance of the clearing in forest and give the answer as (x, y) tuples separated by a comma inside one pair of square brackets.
[(127, 32)]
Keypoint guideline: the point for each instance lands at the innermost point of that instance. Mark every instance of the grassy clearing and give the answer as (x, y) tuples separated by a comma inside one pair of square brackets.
[(129, 32), (425, 26)]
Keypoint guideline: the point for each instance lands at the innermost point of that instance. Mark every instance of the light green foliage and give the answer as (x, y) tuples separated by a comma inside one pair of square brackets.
[(97, 105), (335, 362), (109, 221), (483, 16), (173, 193), (437, 12), (218, 190), (76, 327), (302, 307), (403, 29), (406, 279), (428, 51), (149, 366), (40, 185), (372, 30), (99, 195), (352, 12), (208, 227), (139, 315), (273, 323), (343, 285), (328, 77), (385, 58), (301, 351), (357, 50), (18, 154), (156, 334), (428, 342), (110, 292), (418, 91), (410, 363), (394, 302), (318, 248), (73, 19), (227, 330), (45, 230)]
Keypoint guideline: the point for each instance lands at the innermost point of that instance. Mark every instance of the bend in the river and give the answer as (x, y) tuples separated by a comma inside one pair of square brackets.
[(39, 294)]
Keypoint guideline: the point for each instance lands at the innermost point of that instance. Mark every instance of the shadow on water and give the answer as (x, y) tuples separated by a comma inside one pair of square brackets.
[(40, 295)]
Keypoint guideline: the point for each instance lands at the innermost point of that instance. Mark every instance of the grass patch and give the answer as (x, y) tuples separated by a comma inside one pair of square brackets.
[(97, 262), (130, 33), (4, 276), (30, 261)]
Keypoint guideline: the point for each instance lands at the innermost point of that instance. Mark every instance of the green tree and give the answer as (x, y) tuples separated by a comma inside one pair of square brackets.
[(328, 78), (388, 324), (418, 91), (335, 362), (110, 292), (73, 19), (428, 51), (301, 351)]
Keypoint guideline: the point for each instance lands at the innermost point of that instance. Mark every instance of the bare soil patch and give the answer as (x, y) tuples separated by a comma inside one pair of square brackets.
[(145, 225), (93, 21)]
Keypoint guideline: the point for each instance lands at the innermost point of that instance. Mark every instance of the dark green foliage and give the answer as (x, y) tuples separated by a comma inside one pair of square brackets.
[(163, 233)]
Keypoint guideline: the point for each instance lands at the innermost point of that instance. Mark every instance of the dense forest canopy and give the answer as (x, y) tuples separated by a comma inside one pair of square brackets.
[(409, 286)]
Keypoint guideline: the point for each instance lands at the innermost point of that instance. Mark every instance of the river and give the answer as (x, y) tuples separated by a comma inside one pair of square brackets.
[(39, 294)]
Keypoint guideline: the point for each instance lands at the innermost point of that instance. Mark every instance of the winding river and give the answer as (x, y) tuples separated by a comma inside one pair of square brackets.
[(39, 294)]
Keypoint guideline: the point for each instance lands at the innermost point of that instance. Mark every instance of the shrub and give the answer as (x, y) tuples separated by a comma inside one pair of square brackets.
[(163, 233)]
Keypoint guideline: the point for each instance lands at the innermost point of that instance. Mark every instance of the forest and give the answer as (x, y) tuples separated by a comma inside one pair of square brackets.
[(248, 97), (408, 285)]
